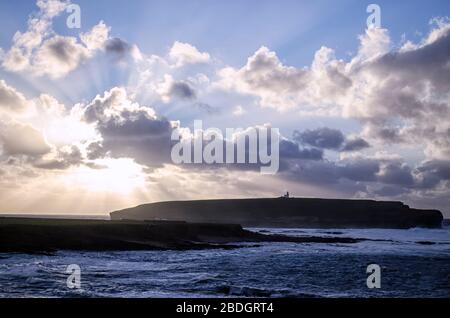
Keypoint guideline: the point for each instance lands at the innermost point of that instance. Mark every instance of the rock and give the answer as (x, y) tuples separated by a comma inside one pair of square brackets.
[(49, 235)]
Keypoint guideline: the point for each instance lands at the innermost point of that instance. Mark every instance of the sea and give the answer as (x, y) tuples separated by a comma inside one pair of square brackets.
[(410, 263)]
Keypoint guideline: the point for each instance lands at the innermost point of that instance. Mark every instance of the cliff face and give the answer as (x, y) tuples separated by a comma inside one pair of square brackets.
[(294, 212)]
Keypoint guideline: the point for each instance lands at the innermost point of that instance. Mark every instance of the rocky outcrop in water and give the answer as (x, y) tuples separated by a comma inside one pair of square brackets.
[(49, 235)]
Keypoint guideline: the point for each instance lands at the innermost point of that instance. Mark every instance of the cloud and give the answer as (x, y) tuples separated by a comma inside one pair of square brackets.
[(133, 131), (370, 176), (398, 95), (10, 99), (122, 50), (360, 170), (266, 77), (206, 108), (52, 8), (358, 175), (95, 150), (184, 54), (355, 144), (332, 139), (64, 158), (402, 83), (181, 90), (128, 129), (22, 139), (432, 172), (428, 62), (285, 87), (395, 97), (291, 150), (59, 56), (385, 133), (375, 42), (117, 46), (389, 191), (395, 173), (114, 104), (41, 52), (325, 138), (170, 89), (96, 38), (401, 96), (239, 111), (40, 132), (378, 83)]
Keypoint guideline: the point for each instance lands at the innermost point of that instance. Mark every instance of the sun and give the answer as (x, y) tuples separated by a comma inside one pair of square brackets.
[(122, 176)]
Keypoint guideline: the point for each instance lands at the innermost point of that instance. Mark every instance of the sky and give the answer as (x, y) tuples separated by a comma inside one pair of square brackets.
[(86, 113)]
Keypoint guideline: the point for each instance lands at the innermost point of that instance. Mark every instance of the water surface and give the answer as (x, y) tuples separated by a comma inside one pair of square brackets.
[(414, 263)]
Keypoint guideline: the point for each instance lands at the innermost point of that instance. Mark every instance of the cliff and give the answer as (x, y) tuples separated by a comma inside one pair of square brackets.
[(288, 212)]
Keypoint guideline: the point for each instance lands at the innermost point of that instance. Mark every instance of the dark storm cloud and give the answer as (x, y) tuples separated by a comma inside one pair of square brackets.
[(328, 172), (64, 160), (395, 173), (135, 124), (325, 138), (359, 170), (391, 135), (61, 49), (411, 83), (291, 150), (355, 144), (95, 150), (314, 172), (128, 130), (117, 47), (182, 90), (429, 62), (390, 191), (439, 168), (310, 154), (95, 111), (340, 81), (431, 173), (138, 136), (391, 174)]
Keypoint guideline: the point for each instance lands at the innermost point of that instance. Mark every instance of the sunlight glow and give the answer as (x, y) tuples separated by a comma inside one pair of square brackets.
[(113, 175)]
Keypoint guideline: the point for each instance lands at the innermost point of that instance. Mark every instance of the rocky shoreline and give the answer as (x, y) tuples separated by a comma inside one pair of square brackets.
[(31, 235)]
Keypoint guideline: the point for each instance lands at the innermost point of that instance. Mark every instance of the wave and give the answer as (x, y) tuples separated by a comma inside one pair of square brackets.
[(249, 291)]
